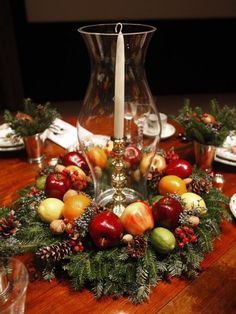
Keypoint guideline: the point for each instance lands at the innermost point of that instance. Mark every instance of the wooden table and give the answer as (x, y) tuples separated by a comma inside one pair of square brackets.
[(213, 292)]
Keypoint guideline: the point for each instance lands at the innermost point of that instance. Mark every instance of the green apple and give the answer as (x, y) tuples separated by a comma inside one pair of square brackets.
[(50, 209), (40, 182)]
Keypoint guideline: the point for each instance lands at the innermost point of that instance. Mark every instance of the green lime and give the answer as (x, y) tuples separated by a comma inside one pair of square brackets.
[(163, 240), (40, 182)]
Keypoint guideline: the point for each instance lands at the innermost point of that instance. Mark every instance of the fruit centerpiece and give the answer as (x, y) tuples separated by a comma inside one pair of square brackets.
[(165, 235)]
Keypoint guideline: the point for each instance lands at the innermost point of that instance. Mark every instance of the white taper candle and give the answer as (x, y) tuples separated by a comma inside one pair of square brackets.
[(119, 85)]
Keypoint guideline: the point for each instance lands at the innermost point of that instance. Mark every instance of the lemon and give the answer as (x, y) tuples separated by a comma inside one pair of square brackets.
[(50, 209)]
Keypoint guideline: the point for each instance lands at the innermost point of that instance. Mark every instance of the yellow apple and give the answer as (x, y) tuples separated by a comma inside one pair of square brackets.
[(50, 209), (76, 169), (156, 161), (192, 201)]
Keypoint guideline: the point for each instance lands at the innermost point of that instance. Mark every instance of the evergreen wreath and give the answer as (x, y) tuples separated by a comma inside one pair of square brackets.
[(124, 270)]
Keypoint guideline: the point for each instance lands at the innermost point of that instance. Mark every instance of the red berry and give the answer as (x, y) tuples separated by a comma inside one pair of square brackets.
[(71, 231), (76, 249), (72, 243), (182, 235), (180, 245), (185, 240), (190, 231), (193, 238), (178, 230), (186, 228), (81, 247)]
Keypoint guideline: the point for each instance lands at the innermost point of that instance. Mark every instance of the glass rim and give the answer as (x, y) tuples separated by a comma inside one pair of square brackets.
[(150, 29)]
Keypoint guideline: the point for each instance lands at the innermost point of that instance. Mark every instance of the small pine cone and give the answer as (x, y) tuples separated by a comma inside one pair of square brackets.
[(55, 252), (200, 186), (8, 225), (137, 247), (153, 180)]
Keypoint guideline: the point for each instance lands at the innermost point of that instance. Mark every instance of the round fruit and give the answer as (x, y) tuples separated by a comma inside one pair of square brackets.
[(180, 168), (162, 240), (69, 193), (208, 118), (137, 218), (193, 200), (171, 184), (97, 156), (106, 229), (40, 182), (75, 205), (57, 184), (50, 209), (76, 159), (155, 161), (166, 212), (132, 155)]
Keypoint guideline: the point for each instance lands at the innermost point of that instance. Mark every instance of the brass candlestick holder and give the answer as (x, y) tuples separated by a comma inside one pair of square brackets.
[(119, 180)]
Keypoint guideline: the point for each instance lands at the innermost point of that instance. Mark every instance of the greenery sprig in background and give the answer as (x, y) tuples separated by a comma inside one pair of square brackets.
[(35, 118), (207, 128)]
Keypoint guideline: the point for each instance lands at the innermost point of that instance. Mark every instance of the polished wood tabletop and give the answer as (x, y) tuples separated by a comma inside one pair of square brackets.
[(214, 291)]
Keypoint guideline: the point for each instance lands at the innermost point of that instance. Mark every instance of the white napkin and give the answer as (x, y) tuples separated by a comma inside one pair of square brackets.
[(64, 134)]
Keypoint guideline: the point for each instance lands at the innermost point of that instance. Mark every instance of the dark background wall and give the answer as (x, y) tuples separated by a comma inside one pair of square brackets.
[(186, 55)]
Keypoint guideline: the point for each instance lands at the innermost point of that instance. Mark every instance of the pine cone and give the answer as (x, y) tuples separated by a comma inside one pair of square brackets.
[(55, 252), (8, 225), (153, 180), (137, 247), (200, 185)]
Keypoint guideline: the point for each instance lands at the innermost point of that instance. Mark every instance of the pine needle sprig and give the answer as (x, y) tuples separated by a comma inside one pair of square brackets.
[(27, 204), (207, 133), (34, 119)]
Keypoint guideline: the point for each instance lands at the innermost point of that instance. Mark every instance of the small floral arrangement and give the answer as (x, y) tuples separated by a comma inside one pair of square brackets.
[(207, 128), (35, 118)]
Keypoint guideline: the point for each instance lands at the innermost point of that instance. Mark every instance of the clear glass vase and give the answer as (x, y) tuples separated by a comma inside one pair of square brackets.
[(96, 118)]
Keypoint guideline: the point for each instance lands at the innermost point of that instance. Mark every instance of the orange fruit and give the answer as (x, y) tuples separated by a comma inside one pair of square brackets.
[(75, 205), (171, 184), (97, 156)]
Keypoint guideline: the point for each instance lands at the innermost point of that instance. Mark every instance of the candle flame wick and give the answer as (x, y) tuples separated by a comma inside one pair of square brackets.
[(120, 26)]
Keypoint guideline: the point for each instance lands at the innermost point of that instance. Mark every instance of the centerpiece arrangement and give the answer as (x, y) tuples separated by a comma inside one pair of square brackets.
[(167, 235), (207, 130), (29, 124), (119, 215)]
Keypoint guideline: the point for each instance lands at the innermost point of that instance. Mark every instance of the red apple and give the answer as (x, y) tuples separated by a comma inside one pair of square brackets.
[(180, 168), (106, 229), (132, 155), (166, 212), (57, 184), (76, 159), (137, 218)]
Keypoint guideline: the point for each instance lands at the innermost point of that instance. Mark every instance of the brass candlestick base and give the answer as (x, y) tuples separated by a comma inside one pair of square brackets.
[(119, 181), (119, 195)]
